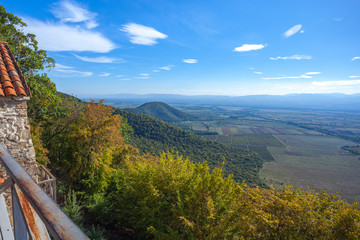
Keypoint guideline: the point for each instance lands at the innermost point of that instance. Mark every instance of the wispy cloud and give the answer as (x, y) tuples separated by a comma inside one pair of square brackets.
[(354, 76), (58, 65), (355, 58), (156, 70), (337, 19), (104, 74), (62, 37), (72, 73), (143, 76), (71, 11), (312, 73), (293, 30), (249, 47), (119, 76), (190, 60), (98, 59), (289, 77), (251, 68), (293, 57), (167, 68), (336, 83), (258, 72), (143, 35), (125, 79)]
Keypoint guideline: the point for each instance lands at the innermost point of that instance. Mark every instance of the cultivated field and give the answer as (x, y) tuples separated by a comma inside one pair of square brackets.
[(316, 162), (302, 148)]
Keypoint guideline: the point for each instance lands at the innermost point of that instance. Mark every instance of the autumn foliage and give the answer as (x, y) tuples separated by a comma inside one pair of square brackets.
[(173, 198)]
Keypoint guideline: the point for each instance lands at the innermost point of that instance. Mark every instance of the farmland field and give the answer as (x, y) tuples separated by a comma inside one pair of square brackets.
[(316, 162), (302, 148)]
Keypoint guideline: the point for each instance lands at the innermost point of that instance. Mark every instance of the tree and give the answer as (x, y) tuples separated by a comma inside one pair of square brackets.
[(90, 146), (44, 100), (24, 46)]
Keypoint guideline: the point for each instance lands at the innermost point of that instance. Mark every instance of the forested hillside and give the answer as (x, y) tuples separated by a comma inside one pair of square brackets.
[(154, 136), (161, 111), (112, 191)]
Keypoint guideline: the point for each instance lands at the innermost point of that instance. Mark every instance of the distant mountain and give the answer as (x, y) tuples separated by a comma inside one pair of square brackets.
[(162, 111), (154, 136), (333, 101)]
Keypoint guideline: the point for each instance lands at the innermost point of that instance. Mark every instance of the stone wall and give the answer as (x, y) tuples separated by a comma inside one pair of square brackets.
[(15, 135)]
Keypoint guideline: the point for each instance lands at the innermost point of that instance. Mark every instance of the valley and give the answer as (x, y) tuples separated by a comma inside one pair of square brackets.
[(300, 147)]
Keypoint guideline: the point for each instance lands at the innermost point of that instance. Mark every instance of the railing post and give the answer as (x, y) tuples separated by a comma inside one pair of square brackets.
[(56, 221)]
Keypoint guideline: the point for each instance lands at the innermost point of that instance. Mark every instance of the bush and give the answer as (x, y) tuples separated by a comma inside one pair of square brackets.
[(172, 198)]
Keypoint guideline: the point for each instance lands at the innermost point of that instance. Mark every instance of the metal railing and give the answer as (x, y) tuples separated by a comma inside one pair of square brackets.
[(34, 213)]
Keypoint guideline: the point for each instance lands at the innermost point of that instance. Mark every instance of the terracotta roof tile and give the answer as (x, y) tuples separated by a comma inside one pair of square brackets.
[(12, 82)]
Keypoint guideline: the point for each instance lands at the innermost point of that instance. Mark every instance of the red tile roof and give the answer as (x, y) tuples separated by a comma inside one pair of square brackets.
[(12, 81)]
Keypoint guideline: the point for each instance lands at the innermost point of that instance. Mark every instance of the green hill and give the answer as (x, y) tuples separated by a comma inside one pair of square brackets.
[(161, 111), (154, 136)]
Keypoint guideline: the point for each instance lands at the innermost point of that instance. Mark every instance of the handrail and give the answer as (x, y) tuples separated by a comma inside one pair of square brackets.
[(59, 225)]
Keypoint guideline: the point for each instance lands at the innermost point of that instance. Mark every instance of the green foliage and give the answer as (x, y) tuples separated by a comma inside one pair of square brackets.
[(154, 136), (174, 198), (87, 144), (45, 104), (24, 46), (96, 233), (72, 207)]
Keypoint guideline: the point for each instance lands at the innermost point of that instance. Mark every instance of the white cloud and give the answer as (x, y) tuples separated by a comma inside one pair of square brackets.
[(104, 74), (289, 77), (58, 65), (355, 58), (249, 47), (251, 68), (292, 30), (336, 83), (354, 76), (119, 76), (189, 60), (62, 37), (156, 70), (125, 79), (293, 57), (143, 35), (312, 73), (144, 74), (167, 68), (258, 72), (71, 11), (73, 73), (96, 59)]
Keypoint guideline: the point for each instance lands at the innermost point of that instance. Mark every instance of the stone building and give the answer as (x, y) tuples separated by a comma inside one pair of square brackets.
[(14, 124)]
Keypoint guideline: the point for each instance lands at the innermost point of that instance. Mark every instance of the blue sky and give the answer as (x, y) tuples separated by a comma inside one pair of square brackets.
[(232, 47)]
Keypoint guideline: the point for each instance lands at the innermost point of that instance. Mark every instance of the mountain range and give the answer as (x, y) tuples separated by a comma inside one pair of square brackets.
[(335, 101)]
